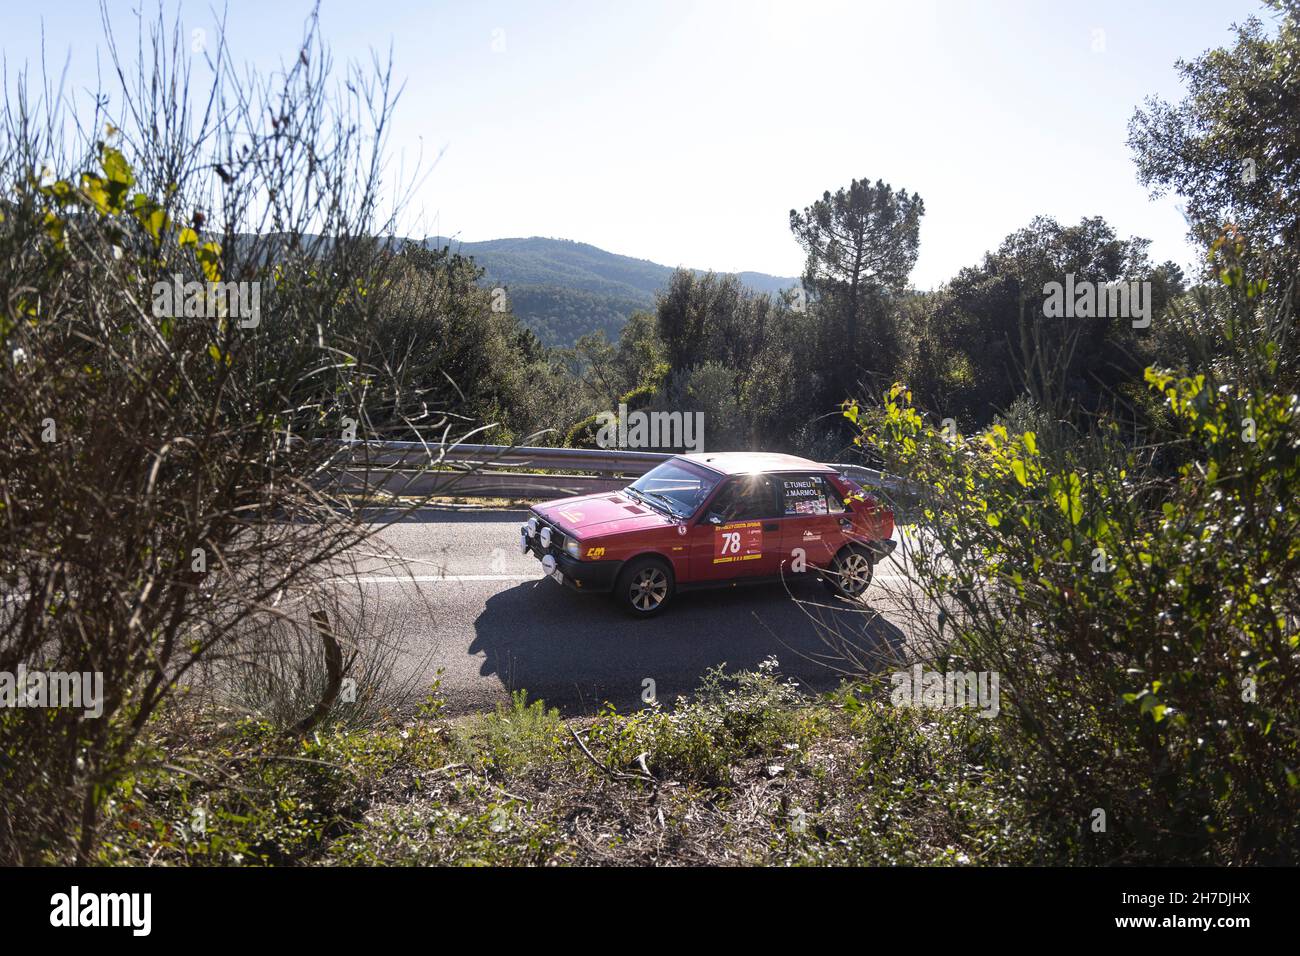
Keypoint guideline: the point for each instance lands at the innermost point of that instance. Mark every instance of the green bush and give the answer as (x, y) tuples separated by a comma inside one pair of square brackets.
[(511, 736), (733, 716), (1139, 596)]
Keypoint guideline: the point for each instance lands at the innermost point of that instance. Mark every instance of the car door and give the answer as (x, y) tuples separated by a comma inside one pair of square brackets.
[(738, 535), (813, 520)]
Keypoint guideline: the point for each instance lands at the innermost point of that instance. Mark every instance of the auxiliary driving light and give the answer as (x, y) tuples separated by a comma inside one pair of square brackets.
[(530, 528), (548, 563), (545, 537)]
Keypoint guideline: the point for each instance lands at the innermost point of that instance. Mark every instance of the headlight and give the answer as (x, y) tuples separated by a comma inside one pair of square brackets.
[(573, 547), (545, 538)]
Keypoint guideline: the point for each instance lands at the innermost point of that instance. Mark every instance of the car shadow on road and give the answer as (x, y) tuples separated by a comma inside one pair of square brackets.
[(578, 651)]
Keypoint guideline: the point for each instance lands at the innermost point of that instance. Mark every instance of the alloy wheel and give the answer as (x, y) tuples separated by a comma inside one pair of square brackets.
[(649, 589), (855, 573)]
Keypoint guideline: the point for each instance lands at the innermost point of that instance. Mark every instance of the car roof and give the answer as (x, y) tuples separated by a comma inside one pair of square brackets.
[(745, 462)]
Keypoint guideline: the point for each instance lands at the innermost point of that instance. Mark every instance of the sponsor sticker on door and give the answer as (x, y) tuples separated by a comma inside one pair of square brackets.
[(803, 496), (739, 541)]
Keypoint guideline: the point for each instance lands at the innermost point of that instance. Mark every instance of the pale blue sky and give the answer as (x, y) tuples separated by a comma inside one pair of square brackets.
[(683, 132)]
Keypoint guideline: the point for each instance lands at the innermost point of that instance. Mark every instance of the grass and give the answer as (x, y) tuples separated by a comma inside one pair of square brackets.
[(750, 771)]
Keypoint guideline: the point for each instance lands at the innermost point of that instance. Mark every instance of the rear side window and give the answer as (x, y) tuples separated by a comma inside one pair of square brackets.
[(808, 495)]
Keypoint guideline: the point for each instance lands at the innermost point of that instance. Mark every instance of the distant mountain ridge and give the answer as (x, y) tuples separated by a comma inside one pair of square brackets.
[(563, 289)]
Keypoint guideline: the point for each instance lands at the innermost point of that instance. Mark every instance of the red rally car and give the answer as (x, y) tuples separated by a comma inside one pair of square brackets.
[(712, 520)]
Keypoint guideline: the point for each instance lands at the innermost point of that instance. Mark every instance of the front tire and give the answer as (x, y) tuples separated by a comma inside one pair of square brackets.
[(850, 573), (645, 587)]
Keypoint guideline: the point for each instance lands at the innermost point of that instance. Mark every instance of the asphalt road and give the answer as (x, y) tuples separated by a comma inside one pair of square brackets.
[(450, 590)]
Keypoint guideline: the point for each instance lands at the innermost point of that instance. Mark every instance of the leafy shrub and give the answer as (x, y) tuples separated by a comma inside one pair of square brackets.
[(1145, 623), (732, 717), (511, 736), (151, 450)]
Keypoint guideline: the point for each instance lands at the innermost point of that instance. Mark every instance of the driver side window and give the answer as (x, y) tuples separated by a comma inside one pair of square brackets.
[(746, 498)]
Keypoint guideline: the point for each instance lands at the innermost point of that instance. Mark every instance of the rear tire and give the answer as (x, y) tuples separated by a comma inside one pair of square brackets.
[(645, 587), (850, 572)]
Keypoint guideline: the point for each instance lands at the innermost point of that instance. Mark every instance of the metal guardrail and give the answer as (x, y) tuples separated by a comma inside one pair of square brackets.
[(482, 484), (395, 454), (870, 477), (416, 470)]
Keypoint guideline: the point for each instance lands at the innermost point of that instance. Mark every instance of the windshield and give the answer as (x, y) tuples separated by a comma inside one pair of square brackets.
[(675, 487)]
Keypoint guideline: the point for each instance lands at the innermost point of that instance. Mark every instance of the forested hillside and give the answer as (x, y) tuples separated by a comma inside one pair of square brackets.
[(562, 290)]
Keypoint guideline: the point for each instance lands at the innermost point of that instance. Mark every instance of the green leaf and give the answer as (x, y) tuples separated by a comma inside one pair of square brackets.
[(209, 256), (154, 223), (1018, 469), (115, 166), (1068, 494)]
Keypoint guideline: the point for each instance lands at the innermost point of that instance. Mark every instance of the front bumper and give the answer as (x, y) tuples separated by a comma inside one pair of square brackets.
[(579, 575)]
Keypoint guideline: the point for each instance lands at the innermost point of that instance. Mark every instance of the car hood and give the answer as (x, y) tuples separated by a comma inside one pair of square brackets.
[(603, 513)]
